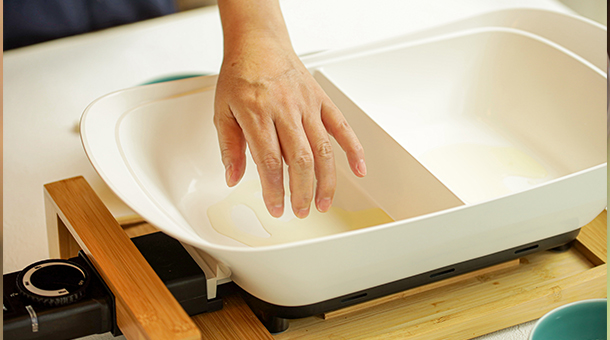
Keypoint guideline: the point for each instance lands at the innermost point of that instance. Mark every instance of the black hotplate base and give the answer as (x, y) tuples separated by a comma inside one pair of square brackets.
[(275, 317)]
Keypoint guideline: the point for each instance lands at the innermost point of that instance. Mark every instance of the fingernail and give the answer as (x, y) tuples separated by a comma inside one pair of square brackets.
[(277, 211), (302, 213), (324, 204), (229, 174), (361, 167)]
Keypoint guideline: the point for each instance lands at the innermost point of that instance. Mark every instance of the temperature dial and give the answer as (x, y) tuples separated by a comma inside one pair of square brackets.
[(53, 282)]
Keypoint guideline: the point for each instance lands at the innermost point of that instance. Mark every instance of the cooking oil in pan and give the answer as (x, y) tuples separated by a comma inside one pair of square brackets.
[(243, 217)]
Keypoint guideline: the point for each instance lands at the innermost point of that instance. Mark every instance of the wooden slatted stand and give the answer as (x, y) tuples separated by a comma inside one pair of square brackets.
[(463, 307)]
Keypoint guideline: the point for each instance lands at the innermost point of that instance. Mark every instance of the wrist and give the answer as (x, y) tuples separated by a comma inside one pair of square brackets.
[(258, 43)]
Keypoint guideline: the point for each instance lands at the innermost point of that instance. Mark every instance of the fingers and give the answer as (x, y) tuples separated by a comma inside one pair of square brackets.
[(232, 146), (305, 146), (338, 127), (324, 163), (265, 149), (300, 160)]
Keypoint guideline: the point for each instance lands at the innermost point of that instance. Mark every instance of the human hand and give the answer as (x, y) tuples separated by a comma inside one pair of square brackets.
[(267, 99), (270, 101)]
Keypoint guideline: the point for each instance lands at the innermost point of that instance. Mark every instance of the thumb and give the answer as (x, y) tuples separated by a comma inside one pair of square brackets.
[(232, 145)]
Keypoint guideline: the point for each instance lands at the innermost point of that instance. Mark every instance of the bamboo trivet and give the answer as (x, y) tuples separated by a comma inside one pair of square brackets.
[(459, 308)]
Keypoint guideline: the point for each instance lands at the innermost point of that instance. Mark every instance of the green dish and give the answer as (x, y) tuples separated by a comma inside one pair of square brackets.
[(173, 77), (582, 320)]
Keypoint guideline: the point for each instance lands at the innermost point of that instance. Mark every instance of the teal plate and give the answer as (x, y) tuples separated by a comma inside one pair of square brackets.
[(582, 320), (174, 77)]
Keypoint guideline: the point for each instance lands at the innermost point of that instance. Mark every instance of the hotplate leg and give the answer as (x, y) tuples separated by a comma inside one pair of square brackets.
[(273, 324), (562, 248)]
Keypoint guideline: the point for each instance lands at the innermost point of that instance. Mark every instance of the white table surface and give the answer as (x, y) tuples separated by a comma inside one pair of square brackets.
[(47, 87)]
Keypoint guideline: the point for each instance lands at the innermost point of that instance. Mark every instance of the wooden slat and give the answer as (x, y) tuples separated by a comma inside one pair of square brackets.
[(418, 290), (133, 230), (145, 308), (62, 244), (234, 321), (592, 240), (509, 311), (68, 246), (128, 220)]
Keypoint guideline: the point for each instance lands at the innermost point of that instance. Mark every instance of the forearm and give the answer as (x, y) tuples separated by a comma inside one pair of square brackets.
[(247, 23)]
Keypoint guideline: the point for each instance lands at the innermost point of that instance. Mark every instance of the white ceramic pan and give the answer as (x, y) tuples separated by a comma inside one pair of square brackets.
[(476, 141)]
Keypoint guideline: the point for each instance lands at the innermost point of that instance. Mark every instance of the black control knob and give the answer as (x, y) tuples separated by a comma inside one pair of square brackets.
[(53, 282)]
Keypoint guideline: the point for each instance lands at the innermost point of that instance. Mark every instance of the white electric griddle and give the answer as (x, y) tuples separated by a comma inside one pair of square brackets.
[(485, 140)]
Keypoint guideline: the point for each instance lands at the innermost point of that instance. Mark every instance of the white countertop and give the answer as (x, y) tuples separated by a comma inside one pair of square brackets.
[(47, 87)]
